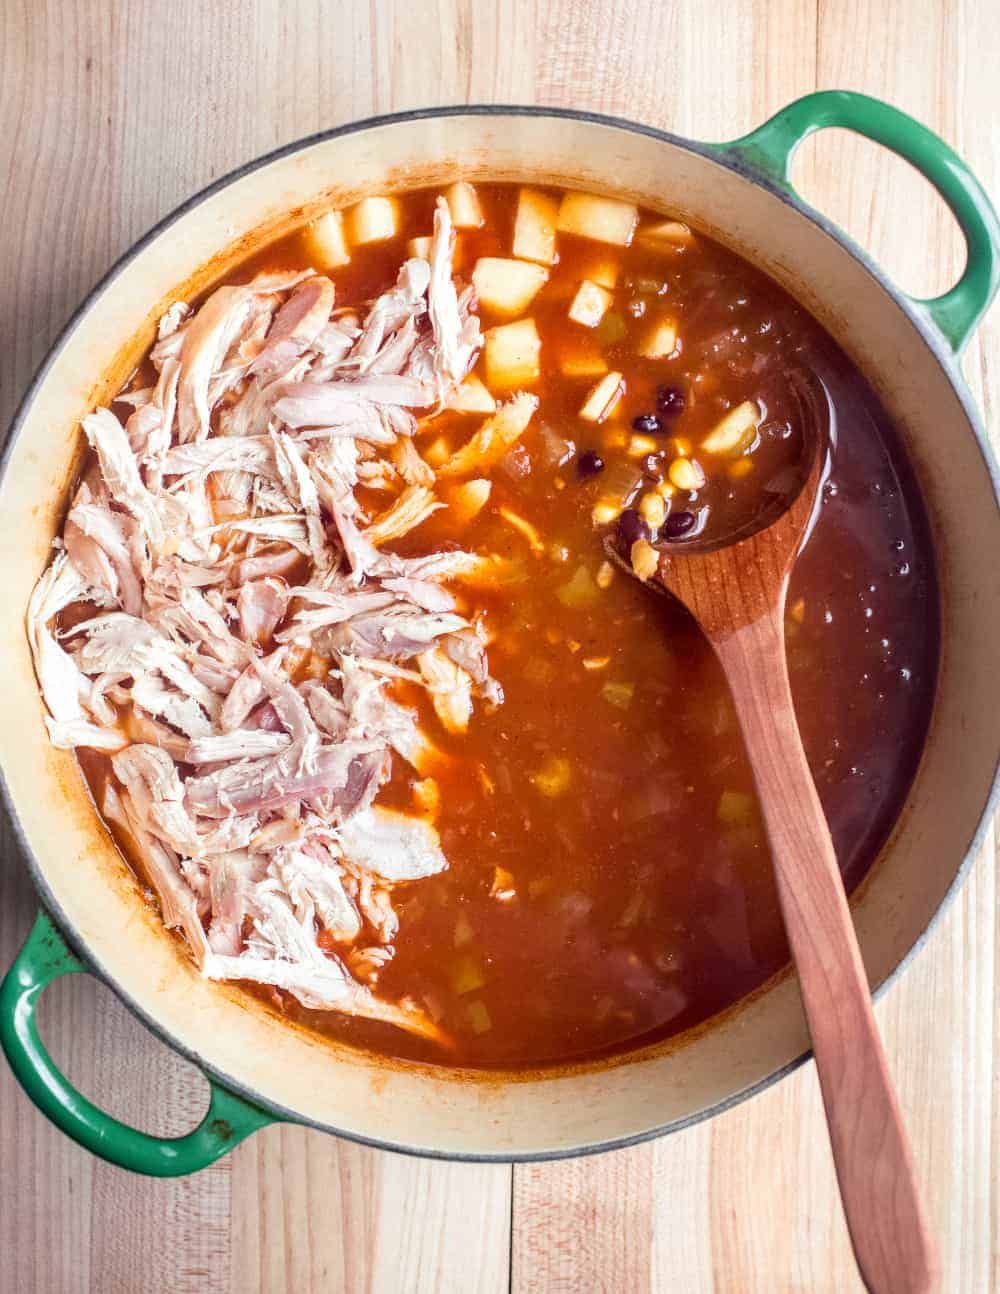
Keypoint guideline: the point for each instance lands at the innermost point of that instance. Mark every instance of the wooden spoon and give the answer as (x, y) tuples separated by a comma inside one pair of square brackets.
[(736, 591)]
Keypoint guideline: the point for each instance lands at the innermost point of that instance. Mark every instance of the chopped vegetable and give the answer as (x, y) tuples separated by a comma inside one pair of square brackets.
[(324, 241), (580, 590), (611, 330), (653, 509), (667, 235), (463, 203), (736, 432), (479, 1017), (644, 558), (554, 777), (535, 226), (606, 220), (595, 662), (467, 500), (503, 884), (735, 809), (602, 398), (605, 575), (590, 304), (420, 247), (513, 355), (494, 438), (472, 397), (373, 220), (618, 694), (427, 797), (507, 287), (660, 341), (464, 933), (686, 474), (467, 975)]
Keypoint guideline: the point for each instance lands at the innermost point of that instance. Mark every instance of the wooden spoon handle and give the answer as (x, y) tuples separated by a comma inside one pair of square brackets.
[(878, 1186)]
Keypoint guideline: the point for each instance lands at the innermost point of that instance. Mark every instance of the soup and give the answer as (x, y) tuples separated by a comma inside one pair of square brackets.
[(349, 628)]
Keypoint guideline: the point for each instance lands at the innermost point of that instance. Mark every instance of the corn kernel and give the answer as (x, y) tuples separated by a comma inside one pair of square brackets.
[(686, 474), (653, 509), (604, 513), (645, 559), (596, 662), (639, 446), (664, 489), (605, 574)]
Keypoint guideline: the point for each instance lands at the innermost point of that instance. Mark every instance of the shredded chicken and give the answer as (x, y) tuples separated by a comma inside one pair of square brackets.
[(222, 619)]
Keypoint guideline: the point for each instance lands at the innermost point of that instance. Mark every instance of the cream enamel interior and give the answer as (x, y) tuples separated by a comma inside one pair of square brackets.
[(416, 1107)]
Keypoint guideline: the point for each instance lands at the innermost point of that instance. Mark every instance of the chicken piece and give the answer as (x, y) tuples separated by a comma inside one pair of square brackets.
[(296, 326), (393, 846), (207, 339), (261, 606), (450, 689), (410, 510)]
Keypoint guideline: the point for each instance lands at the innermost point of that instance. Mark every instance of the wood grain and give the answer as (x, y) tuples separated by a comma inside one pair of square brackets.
[(113, 113)]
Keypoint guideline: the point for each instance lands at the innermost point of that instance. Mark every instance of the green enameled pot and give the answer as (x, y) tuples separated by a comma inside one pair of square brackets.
[(260, 1067)]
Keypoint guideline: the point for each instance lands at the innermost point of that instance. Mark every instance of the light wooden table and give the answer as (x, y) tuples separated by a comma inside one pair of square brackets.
[(111, 113)]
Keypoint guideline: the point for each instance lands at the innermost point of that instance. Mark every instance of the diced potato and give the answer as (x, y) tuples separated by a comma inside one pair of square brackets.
[(374, 220), (438, 451), (667, 234), (463, 203), (582, 361), (494, 438), (506, 286), (512, 355), (420, 247), (466, 501), (660, 341), (535, 226), (603, 397), (324, 241), (472, 397), (590, 304), (602, 270), (606, 220), (736, 431)]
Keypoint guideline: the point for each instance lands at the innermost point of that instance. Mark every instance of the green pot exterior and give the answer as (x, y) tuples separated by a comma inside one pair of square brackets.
[(44, 958), (768, 152)]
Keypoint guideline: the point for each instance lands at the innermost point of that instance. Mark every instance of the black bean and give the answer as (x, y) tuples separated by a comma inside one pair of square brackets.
[(631, 528), (670, 400), (589, 464), (678, 524), (648, 423)]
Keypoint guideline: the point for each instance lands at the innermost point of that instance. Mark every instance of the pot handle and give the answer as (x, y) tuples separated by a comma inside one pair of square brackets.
[(769, 150), (44, 958)]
